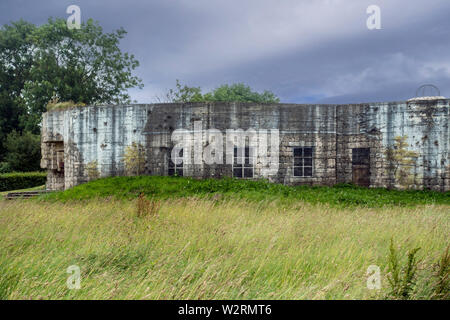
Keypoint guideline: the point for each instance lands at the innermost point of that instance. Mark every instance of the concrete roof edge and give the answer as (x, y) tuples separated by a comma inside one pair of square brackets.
[(252, 103)]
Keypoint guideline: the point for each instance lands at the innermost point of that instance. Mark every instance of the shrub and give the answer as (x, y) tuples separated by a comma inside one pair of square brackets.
[(402, 279), (5, 167), (56, 105), (92, 170), (23, 151), (21, 180), (401, 161)]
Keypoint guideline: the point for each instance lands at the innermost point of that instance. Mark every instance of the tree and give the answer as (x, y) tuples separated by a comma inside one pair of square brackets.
[(52, 62), (134, 159), (23, 151), (238, 92), (185, 94), (82, 65), (16, 58)]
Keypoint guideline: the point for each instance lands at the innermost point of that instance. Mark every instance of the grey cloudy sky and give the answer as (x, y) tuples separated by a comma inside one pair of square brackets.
[(302, 50)]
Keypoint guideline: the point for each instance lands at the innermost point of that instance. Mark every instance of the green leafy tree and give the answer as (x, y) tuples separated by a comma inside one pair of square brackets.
[(52, 62), (82, 65), (185, 94), (238, 92), (16, 58), (23, 151)]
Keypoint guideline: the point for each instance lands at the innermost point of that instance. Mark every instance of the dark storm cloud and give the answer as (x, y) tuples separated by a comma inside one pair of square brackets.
[(303, 50)]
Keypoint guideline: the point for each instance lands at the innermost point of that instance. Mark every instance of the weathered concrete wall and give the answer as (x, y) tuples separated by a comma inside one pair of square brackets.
[(425, 125), (99, 135)]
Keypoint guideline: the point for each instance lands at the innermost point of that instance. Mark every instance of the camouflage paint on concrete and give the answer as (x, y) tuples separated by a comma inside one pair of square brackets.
[(76, 137)]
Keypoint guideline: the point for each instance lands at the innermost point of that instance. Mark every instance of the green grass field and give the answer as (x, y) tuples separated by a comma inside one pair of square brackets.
[(218, 239)]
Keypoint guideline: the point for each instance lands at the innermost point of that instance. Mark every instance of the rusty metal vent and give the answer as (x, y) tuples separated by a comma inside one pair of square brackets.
[(427, 92)]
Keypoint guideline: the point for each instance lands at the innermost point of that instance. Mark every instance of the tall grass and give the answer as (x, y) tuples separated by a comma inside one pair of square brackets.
[(442, 284), (200, 248), (402, 278), (9, 280)]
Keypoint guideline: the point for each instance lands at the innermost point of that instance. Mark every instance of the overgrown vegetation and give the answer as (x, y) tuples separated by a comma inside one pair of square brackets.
[(23, 152), (55, 104), (172, 187), (414, 277), (213, 249), (21, 180), (52, 64), (238, 92), (402, 278), (134, 159), (401, 161)]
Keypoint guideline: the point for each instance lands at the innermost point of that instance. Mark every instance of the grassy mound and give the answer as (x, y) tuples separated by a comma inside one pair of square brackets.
[(177, 187)]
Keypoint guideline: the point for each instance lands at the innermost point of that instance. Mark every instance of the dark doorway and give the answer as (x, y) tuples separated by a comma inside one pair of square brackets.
[(361, 166)]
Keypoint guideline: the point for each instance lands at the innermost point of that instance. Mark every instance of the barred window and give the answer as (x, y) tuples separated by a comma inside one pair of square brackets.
[(303, 164), (244, 167), (176, 165)]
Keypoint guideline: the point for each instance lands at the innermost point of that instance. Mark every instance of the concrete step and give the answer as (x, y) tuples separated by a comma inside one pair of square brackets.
[(25, 194)]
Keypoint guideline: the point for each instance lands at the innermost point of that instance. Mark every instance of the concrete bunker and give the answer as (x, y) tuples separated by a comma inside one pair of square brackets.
[(318, 144)]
